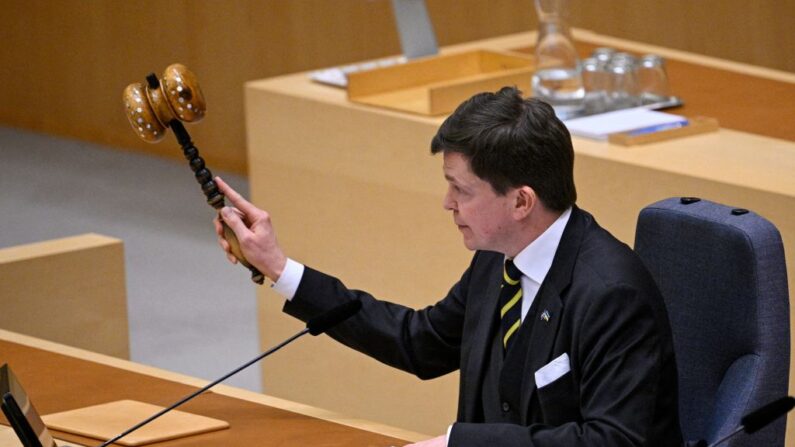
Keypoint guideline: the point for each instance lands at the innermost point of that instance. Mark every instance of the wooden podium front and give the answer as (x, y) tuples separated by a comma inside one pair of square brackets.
[(70, 290), (59, 378)]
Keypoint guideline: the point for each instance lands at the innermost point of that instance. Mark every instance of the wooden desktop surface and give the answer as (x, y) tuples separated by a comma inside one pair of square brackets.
[(58, 378)]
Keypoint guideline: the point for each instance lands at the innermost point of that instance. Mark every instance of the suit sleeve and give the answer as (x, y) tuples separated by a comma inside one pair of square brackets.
[(617, 367), (424, 342)]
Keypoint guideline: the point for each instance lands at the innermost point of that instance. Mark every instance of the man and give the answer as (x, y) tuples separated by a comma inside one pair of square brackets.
[(559, 332)]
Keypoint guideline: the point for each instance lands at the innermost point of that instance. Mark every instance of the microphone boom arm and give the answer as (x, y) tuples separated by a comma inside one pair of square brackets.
[(314, 326), (205, 388)]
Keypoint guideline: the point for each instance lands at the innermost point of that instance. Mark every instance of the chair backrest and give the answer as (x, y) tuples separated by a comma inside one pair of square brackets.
[(722, 274)]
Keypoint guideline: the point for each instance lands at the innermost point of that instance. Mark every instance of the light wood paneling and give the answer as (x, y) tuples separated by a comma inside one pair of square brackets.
[(64, 63), (758, 32), (69, 290)]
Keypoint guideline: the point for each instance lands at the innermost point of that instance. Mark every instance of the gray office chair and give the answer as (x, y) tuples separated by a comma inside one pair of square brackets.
[(722, 274)]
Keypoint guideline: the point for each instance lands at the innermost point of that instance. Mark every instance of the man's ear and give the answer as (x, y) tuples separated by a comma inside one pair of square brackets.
[(526, 201)]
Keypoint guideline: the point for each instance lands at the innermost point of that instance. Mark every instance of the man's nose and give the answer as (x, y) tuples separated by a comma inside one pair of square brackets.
[(448, 203)]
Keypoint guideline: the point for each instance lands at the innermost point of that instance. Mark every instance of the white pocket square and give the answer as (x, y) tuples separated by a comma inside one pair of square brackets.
[(552, 371)]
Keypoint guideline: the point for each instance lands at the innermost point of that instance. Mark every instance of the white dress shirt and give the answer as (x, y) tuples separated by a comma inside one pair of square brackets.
[(535, 260), (287, 284)]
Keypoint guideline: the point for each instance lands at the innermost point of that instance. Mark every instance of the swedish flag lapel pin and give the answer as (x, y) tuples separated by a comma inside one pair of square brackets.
[(545, 316)]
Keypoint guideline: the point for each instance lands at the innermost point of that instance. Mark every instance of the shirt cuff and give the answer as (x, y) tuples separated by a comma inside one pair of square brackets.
[(288, 282)]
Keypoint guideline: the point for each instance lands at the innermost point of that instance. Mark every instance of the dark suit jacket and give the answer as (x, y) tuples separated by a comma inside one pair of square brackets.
[(605, 313)]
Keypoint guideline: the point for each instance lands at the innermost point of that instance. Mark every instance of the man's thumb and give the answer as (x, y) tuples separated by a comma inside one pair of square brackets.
[(233, 220)]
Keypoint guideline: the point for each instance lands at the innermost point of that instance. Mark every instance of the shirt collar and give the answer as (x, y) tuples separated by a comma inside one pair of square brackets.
[(535, 260)]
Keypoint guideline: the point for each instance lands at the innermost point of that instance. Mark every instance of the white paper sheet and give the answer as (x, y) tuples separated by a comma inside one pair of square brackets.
[(598, 127)]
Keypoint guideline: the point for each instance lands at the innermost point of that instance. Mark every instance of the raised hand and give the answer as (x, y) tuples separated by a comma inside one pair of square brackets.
[(254, 231)]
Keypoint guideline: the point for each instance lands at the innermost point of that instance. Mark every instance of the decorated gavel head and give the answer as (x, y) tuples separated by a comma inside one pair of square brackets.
[(165, 103), (151, 108)]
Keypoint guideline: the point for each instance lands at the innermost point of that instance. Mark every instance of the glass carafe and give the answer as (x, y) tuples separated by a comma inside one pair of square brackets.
[(557, 80)]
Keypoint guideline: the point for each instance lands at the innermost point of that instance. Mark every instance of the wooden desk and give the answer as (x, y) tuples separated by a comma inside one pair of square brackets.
[(59, 378), (353, 191), (70, 290)]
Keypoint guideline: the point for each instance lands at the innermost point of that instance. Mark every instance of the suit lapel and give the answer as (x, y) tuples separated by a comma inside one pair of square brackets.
[(550, 303), (542, 340), (476, 366)]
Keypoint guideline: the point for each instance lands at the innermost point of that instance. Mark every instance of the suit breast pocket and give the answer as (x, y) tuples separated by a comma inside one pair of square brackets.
[(559, 401)]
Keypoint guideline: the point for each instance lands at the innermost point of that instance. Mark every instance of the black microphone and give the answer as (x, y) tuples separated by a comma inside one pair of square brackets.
[(759, 418), (314, 326)]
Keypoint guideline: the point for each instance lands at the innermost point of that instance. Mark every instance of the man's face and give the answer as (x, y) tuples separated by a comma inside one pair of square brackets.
[(483, 217)]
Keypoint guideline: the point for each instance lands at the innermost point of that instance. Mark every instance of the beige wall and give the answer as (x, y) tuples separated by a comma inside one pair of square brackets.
[(64, 63)]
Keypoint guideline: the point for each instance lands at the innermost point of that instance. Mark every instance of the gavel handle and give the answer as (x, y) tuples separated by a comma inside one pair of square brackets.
[(234, 247), (214, 197)]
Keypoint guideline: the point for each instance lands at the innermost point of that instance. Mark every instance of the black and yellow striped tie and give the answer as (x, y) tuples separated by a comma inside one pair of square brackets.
[(510, 303)]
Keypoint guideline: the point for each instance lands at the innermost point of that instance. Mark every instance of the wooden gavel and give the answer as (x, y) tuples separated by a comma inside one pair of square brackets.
[(164, 103)]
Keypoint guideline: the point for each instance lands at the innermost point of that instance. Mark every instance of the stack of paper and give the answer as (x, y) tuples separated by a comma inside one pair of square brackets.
[(639, 119)]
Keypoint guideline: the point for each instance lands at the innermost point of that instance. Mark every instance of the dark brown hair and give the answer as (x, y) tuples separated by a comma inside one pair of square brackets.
[(511, 142)]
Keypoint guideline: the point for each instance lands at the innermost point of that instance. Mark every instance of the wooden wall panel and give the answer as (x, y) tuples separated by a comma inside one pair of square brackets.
[(63, 64), (758, 32), (70, 290)]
